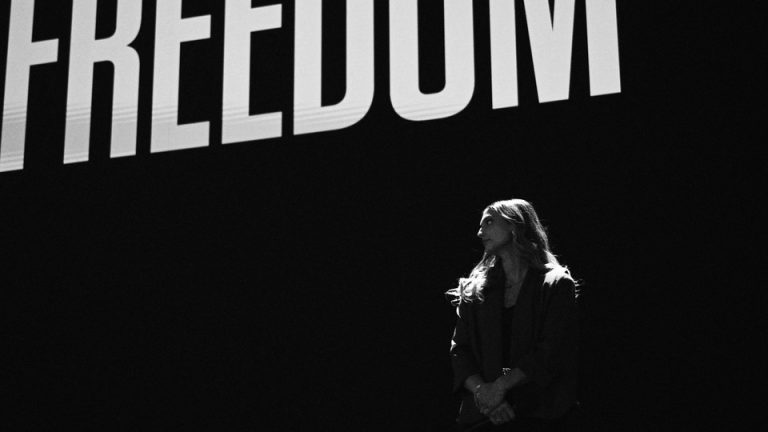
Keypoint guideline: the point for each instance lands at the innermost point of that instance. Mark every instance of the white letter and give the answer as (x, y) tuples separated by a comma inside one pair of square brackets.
[(551, 47), (22, 54), (408, 101), (603, 47), (171, 31), (85, 50), (236, 124), (309, 116), (503, 53)]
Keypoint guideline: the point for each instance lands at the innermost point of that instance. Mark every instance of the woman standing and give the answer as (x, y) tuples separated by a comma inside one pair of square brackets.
[(514, 347)]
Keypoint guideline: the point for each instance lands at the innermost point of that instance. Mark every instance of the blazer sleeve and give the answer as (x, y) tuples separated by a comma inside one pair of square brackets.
[(556, 336), (463, 360)]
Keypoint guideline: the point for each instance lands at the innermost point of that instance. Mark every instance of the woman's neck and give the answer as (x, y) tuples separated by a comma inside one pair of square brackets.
[(514, 267)]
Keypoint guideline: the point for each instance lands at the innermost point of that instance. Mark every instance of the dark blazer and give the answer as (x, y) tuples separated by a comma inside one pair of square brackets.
[(543, 343)]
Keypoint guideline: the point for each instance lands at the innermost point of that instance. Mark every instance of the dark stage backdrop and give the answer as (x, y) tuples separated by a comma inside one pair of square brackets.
[(296, 283)]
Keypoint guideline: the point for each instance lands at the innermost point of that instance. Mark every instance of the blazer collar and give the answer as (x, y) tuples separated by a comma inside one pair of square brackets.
[(496, 277)]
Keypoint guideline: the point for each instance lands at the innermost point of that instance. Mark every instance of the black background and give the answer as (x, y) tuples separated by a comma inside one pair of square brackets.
[(297, 283)]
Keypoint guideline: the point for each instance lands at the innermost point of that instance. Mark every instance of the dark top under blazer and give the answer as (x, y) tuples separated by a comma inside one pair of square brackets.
[(543, 343)]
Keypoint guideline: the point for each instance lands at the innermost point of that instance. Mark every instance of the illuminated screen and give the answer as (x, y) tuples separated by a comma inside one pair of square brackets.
[(241, 215)]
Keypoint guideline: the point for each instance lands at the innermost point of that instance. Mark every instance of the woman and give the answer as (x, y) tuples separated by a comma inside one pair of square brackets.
[(515, 343)]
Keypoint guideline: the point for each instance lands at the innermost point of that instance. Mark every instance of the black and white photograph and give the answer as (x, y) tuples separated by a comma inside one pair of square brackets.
[(396, 215)]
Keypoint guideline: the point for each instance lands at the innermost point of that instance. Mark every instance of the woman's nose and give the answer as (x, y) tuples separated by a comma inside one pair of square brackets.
[(480, 232)]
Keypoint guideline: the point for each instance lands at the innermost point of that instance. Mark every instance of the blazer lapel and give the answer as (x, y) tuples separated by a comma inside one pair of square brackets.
[(526, 314), (489, 326)]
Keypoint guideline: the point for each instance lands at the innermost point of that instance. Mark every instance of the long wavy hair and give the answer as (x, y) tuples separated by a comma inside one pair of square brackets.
[(529, 240)]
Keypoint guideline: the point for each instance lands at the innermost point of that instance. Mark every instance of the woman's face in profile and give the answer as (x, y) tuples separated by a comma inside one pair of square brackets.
[(495, 232)]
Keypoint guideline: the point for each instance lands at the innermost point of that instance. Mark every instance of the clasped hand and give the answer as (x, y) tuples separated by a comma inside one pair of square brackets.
[(489, 398)]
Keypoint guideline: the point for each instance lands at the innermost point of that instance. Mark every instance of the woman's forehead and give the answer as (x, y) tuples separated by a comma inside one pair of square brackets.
[(489, 213)]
